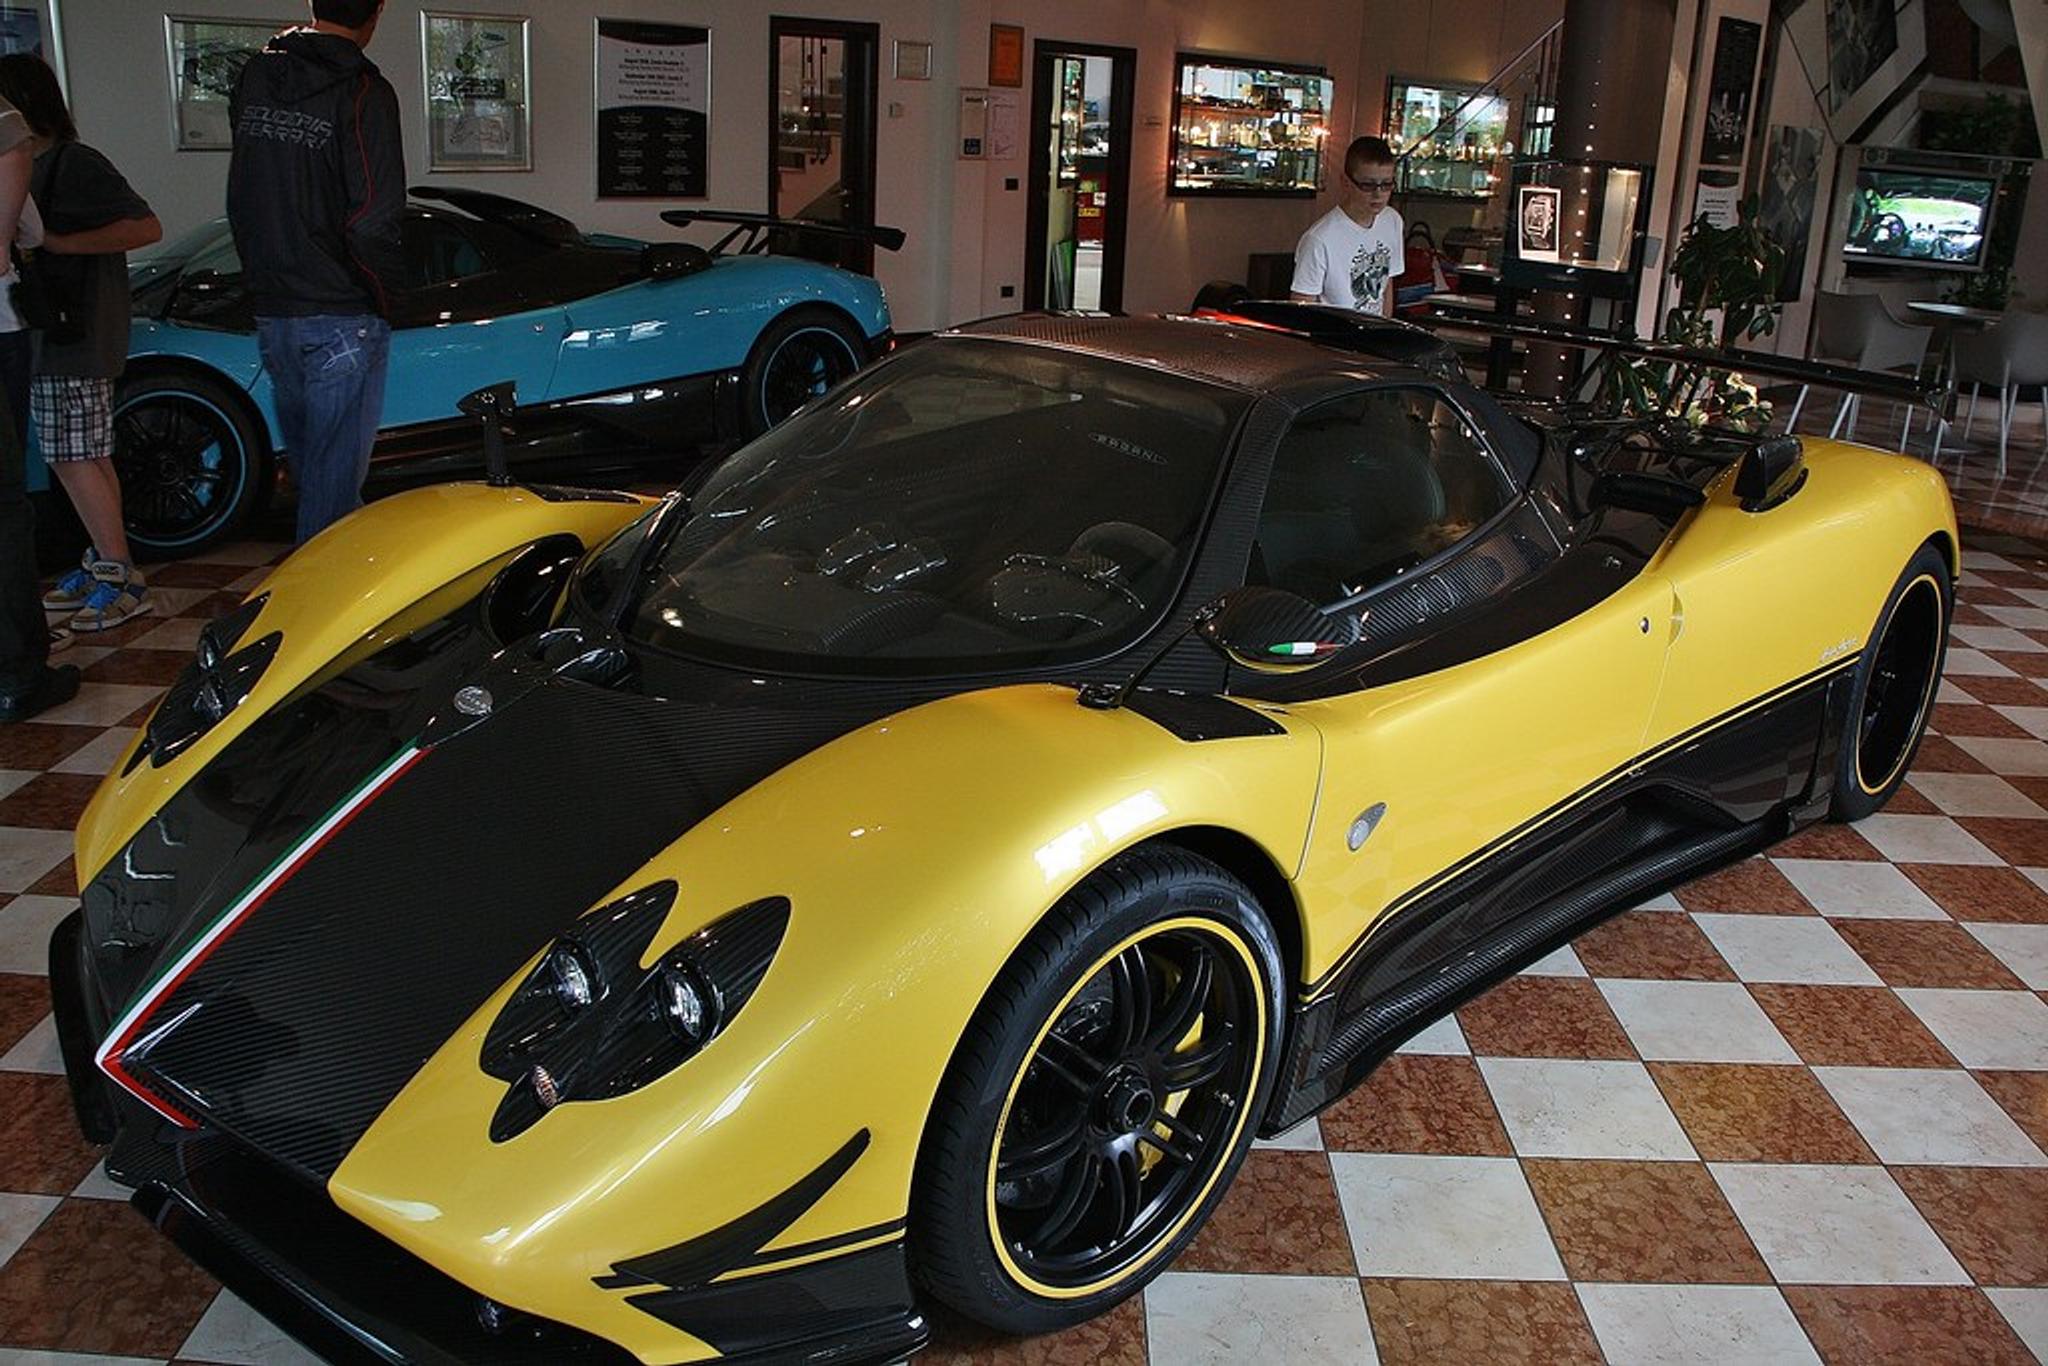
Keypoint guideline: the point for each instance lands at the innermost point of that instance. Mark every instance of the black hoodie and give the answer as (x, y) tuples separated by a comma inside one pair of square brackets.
[(316, 191)]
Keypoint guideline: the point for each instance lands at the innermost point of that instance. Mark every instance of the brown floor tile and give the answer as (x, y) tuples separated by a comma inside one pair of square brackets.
[(1414, 1103), (1828, 840), (1115, 1339), (34, 745), (24, 1001), (1970, 614), (1503, 1323), (1990, 595), (127, 633), (2008, 578), (1995, 1219), (140, 716), (1662, 945), (2024, 1096), (195, 574), (1280, 1216), (1970, 718), (2002, 691), (156, 668), (1544, 1017), (1643, 1222), (213, 605), (2034, 789), (49, 801), (1738, 1112), (1926, 1325), (1937, 755), (1752, 885), (1926, 953), (95, 1277), (1850, 1026), (2029, 663), (2020, 841), (41, 1150), (59, 881), (1981, 894)]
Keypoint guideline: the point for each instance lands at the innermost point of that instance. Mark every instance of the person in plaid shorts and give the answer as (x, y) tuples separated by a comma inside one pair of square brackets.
[(91, 219)]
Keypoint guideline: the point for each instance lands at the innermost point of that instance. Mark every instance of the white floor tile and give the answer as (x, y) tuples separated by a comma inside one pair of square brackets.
[(1461, 1218), (1949, 692), (231, 1332), (1663, 902), (20, 1214), (1710, 1325), (2019, 618), (2003, 754), (1699, 1021), (2023, 948), (1443, 1038), (1985, 559), (172, 602), (37, 1051), (25, 855), (2032, 720), (1305, 1137), (98, 757), (1996, 638), (99, 1186), (1860, 889), (2027, 1312), (1556, 1107), (1202, 1319), (12, 780), (1965, 662), (1978, 794), (1836, 1226), (182, 633), (100, 704), (1923, 1115), (25, 925), (1559, 962), (21, 1356), (1985, 1028), (1787, 948), (1924, 839)]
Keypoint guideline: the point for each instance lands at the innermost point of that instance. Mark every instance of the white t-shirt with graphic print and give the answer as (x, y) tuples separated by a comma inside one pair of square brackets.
[(1347, 265)]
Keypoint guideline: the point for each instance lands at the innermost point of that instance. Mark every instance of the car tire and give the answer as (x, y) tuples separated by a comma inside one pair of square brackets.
[(797, 357), (1062, 1168), (193, 461), (1892, 694)]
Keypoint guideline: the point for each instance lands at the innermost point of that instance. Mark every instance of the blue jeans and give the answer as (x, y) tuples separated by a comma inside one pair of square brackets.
[(327, 379)]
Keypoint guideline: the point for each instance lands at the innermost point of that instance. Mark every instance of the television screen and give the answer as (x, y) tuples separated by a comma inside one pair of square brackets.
[(1921, 218)]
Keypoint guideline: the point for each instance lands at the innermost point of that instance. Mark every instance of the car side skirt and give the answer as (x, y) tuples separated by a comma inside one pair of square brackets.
[(1706, 800)]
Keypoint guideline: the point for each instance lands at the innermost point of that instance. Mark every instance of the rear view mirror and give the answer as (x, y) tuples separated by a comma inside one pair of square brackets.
[(1273, 631)]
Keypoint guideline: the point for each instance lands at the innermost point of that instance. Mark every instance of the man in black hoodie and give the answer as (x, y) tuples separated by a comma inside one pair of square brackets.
[(316, 194)]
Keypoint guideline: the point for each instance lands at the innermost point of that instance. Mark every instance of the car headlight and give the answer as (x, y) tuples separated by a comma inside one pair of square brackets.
[(589, 1023)]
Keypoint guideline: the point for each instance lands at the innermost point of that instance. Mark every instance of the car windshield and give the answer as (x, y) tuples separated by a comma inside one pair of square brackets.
[(972, 504)]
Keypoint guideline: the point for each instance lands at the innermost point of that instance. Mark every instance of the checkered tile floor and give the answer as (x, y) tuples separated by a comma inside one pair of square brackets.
[(1796, 1111)]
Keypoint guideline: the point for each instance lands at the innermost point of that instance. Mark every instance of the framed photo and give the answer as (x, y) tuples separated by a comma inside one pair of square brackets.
[(653, 109), (477, 69), (913, 60), (1536, 225), (207, 57), (1005, 54), (1728, 92)]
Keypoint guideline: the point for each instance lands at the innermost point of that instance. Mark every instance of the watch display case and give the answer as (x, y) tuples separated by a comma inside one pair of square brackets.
[(1247, 128), (1577, 225)]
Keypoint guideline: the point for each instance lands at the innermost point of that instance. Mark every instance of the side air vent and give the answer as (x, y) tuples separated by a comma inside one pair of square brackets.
[(222, 674)]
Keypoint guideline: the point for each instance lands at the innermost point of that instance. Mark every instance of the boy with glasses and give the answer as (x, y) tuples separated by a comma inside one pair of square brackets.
[(1349, 258)]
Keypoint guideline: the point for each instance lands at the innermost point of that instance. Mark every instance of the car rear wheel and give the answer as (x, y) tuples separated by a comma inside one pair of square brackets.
[(1102, 1098), (191, 459), (1895, 682), (797, 357)]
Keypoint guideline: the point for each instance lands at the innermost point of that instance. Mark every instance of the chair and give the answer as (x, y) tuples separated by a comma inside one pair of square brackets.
[(2010, 355), (1858, 330)]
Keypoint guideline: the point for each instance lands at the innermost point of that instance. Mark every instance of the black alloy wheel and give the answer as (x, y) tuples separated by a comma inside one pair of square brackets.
[(189, 460), (1892, 696), (798, 357)]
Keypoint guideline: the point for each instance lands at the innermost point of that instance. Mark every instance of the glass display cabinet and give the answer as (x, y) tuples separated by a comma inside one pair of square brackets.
[(1449, 138), (1577, 225), (1247, 128)]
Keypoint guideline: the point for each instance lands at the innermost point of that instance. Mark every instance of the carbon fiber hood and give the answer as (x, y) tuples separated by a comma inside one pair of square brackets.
[(293, 972)]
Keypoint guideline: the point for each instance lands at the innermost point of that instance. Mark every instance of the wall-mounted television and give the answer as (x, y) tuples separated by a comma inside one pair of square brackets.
[(1937, 220)]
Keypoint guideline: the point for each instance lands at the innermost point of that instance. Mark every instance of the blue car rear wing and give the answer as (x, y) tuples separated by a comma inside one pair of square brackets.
[(753, 232)]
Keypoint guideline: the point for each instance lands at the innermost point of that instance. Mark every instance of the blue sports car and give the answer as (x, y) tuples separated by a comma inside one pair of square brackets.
[(626, 355)]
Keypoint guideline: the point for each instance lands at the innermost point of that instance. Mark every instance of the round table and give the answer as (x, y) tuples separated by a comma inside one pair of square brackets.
[(1953, 314)]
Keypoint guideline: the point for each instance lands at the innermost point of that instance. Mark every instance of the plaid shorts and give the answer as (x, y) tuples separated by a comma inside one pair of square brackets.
[(74, 417)]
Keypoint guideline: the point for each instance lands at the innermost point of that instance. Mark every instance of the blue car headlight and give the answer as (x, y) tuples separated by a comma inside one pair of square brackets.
[(589, 1023)]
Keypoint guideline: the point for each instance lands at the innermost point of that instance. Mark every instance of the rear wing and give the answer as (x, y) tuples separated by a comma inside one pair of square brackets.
[(753, 232)]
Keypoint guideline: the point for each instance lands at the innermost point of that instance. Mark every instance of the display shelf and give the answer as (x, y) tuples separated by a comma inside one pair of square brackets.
[(1247, 128)]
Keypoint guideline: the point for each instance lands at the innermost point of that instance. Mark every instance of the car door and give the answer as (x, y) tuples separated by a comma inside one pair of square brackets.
[(1392, 502)]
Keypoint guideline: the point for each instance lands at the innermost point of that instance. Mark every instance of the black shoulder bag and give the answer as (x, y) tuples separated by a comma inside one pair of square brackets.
[(49, 290)]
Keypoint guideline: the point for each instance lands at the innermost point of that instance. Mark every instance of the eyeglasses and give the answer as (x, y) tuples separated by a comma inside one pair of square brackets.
[(1386, 184)]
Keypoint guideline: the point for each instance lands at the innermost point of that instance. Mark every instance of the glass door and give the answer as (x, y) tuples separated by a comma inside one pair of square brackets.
[(822, 134)]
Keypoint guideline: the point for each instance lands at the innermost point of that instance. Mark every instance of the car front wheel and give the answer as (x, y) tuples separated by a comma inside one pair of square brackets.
[(1103, 1097), (191, 461)]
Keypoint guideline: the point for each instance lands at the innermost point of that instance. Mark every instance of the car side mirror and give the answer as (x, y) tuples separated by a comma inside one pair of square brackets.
[(1270, 630)]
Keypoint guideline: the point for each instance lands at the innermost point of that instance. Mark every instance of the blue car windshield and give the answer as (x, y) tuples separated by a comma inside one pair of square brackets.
[(971, 504)]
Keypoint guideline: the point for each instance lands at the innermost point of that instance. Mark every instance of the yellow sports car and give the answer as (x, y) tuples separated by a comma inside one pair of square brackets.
[(914, 863)]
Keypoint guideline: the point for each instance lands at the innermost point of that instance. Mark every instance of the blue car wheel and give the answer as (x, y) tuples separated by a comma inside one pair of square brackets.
[(191, 462), (799, 356)]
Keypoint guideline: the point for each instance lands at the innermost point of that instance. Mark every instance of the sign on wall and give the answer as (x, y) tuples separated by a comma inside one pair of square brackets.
[(1728, 92), (477, 73), (653, 110), (1785, 199), (207, 57)]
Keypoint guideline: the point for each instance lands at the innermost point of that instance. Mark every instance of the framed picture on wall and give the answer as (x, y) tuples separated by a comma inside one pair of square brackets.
[(653, 109), (1005, 54), (478, 70), (207, 57)]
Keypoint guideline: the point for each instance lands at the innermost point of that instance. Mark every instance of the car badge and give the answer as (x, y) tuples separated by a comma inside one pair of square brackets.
[(473, 701), (1367, 822), (545, 1089)]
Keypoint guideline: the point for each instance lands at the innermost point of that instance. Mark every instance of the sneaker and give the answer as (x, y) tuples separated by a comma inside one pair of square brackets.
[(117, 595), (60, 639), (74, 588)]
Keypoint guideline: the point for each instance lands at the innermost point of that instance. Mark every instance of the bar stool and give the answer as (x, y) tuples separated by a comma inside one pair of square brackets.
[(2010, 355)]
